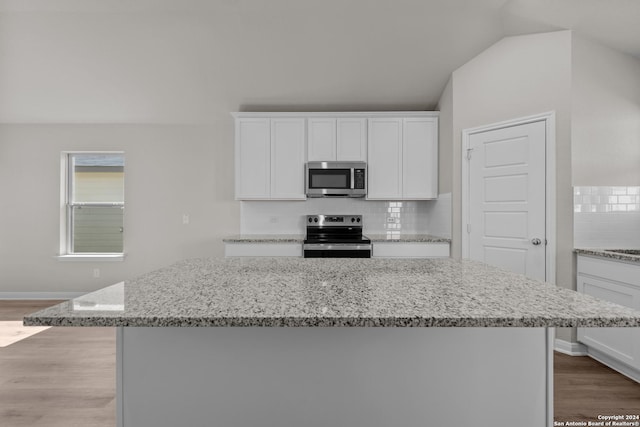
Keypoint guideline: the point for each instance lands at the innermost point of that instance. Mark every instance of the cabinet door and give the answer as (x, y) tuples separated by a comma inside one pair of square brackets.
[(385, 159), (351, 139), (287, 158), (420, 158), (619, 343), (322, 139), (253, 159)]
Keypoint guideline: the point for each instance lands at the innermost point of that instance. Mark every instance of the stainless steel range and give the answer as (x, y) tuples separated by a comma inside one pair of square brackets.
[(335, 236)]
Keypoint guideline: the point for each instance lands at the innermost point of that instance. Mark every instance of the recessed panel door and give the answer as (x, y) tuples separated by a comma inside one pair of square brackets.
[(385, 159), (287, 158), (253, 158), (507, 193)]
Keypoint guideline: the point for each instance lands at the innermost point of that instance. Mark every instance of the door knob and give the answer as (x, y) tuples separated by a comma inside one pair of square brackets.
[(536, 241)]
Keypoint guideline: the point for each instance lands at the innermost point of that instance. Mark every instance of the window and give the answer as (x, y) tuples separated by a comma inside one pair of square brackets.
[(93, 203)]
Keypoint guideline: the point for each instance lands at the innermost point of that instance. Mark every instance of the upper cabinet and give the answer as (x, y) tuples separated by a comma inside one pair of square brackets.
[(403, 158), (287, 158), (336, 139), (400, 148), (253, 158), (384, 165), (270, 158)]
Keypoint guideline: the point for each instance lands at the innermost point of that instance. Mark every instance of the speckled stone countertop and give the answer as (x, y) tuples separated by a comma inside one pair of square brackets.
[(333, 292), (298, 238), (407, 238), (264, 238), (606, 253)]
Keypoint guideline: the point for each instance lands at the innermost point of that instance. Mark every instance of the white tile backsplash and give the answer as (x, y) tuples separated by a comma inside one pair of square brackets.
[(287, 217), (606, 217)]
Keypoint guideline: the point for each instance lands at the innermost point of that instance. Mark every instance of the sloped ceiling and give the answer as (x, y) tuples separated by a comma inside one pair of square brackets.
[(614, 23), (185, 61)]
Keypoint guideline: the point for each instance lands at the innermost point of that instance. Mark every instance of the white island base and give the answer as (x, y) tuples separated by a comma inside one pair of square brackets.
[(334, 376)]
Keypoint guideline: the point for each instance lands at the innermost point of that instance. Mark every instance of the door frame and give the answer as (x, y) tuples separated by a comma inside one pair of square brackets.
[(549, 119)]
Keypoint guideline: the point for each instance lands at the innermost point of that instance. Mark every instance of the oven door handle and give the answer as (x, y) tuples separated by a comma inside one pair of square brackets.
[(336, 246)]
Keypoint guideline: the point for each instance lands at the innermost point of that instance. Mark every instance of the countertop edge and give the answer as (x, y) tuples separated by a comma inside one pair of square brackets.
[(603, 253), (267, 238), (331, 322), (375, 238)]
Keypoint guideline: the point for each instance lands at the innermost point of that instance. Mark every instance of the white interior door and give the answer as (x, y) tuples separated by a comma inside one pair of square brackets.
[(507, 199)]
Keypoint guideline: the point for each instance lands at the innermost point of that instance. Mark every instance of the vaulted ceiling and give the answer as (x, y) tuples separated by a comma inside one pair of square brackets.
[(193, 60)]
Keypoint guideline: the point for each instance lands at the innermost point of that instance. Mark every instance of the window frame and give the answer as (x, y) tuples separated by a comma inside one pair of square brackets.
[(66, 251)]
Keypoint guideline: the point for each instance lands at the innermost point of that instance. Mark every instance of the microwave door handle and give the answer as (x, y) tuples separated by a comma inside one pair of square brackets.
[(352, 178)]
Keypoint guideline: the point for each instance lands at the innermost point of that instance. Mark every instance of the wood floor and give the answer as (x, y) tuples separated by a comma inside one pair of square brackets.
[(65, 377), (584, 389), (61, 377)]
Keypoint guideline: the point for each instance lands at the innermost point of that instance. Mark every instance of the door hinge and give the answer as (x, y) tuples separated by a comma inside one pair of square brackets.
[(469, 150)]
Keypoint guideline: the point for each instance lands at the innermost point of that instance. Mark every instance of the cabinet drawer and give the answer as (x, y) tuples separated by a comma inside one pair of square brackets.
[(611, 269), (262, 249), (410, 250)]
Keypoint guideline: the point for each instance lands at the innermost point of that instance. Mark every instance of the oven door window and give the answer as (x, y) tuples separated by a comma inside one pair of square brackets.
[(330, 178)]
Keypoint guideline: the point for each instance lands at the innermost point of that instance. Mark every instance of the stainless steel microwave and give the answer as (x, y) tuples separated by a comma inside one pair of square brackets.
[(336, 179)]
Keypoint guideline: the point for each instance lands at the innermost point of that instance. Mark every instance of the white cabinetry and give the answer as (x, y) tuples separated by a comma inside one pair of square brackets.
[(618, 282), (270, 156), (253, 158), (287, 158), (403, 158), (384, 164), (410, 250), (400, 148), (262, 249), (341, 139)]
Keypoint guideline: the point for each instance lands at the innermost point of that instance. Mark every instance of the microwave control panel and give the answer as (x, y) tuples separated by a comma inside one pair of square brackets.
[(358, 178)]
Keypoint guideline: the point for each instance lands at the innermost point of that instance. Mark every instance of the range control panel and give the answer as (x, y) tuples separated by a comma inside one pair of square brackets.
[(334, 220)]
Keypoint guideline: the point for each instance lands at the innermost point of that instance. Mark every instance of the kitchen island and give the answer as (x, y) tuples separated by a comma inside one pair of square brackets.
[(328, 342)]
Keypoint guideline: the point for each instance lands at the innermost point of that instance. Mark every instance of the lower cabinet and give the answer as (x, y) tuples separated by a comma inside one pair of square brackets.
[(617, 282), (262, 249), (410, 250), (380, 249)]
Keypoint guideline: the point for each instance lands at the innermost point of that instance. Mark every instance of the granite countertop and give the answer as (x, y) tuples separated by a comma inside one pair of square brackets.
[(264, 238), (605, 253), (298, 238), (407, 238), (333, 292)]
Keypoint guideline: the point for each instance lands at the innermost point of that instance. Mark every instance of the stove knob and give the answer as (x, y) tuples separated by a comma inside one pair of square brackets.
[(315, 219), (353, 220), (358, 219), (310, 219)]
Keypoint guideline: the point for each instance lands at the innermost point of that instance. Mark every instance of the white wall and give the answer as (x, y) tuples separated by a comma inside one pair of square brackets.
[(170, 170), (605, 118), (517, 77), (177, 61), (445, 138)]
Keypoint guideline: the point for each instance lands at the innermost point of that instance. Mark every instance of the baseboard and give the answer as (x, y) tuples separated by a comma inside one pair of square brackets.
[(40, 295), (614, 364), (570, 348)]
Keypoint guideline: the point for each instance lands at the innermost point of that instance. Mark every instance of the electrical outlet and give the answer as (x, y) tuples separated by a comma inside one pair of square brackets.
[(392, 220), (185, 219), (96, 273)]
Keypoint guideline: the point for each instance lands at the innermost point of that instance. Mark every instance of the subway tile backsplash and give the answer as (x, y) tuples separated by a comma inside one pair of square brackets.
[(606, 199), (287, 217), (606, 217)]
